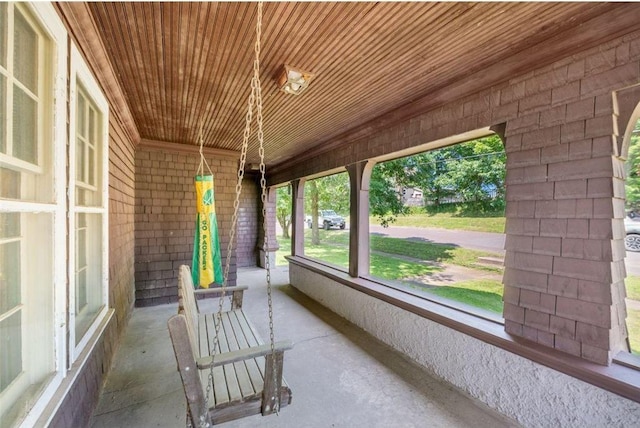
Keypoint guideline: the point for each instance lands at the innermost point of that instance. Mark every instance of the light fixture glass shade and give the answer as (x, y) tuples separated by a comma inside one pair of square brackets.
[(293, 80)]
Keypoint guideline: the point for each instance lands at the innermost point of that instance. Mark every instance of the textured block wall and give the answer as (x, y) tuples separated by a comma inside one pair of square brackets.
[(165, 214), (564, 276), (248, 227)]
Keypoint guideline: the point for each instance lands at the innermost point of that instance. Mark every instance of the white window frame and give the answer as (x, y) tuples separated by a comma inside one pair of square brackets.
[(80, 73), (5, 159), (48, 19)]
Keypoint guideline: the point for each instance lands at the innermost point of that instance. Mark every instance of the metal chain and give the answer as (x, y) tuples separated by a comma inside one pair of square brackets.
[(255, 89), (263, 197)]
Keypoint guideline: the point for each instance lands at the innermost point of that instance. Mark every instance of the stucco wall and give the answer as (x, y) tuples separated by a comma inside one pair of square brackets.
[(532, 394)]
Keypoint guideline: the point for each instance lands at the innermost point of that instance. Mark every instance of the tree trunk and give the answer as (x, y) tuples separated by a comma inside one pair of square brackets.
[(315, 233)]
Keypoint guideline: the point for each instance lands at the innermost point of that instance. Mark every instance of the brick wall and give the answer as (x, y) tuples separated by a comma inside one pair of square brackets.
[(564, 276), (165, 213)]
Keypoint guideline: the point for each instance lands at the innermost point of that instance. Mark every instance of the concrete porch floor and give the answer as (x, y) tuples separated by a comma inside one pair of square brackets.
[(339, 375)]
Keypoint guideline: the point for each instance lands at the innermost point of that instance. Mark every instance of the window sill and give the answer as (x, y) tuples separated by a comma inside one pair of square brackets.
[(54, 403), (622, 377)]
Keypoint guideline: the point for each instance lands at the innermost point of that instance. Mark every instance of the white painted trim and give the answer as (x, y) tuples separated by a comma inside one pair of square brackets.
[(27, 207), (80, 72), (45, 418), (49, 20)]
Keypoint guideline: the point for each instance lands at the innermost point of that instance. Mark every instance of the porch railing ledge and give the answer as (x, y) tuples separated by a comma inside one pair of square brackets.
[(621, 377)]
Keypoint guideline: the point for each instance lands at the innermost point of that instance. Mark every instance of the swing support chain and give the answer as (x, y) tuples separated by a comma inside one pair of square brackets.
[(255, 98)]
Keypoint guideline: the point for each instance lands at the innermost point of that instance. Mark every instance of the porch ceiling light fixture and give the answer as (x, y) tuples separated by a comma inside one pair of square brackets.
[(293, 81)]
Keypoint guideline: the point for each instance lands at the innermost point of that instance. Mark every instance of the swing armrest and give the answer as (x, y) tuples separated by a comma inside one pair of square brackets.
[(241, 355)]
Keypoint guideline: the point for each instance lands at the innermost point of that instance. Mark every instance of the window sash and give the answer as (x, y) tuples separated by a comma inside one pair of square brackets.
[(21, 401), (88, 172), (13, 86)]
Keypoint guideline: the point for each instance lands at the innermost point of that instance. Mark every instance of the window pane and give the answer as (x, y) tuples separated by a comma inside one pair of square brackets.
[(9, 276), (89, 300), (9, 183), (9, 225), (79, 160), (11, 341), (444, 212), (81, 290), (92, 166), (9, 261), (82, 248), (25, 123), (327, 211), (81, 127), (3, 113), (3, 34), (91, 135), (25, 51)]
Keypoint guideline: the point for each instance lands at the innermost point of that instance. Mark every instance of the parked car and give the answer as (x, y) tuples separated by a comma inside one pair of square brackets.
[(632, 239), (328, 219)]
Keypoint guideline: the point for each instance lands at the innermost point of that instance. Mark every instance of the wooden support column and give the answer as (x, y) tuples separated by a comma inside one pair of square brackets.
[(271, 230), (359, 178), (297, 217)]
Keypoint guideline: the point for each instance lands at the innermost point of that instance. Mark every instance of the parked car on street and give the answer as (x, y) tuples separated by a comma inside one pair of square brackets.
[(632, 229), (327, 219)]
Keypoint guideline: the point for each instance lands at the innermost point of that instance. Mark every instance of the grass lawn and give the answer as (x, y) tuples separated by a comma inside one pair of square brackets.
[(481, 293), (486, 294), (427, 251), (450, 221), (633, 287), (633, 324)]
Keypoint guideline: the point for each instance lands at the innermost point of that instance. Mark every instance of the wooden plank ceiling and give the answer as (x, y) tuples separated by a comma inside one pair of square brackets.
[(184, 63)]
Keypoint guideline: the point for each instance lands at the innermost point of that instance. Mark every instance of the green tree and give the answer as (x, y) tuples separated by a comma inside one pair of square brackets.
[(632, 184), (283, 209), (473, 172), (385, 198), (330, 192)]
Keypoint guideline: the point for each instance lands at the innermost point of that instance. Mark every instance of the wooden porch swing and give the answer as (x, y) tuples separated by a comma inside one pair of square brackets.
[(226, 371)]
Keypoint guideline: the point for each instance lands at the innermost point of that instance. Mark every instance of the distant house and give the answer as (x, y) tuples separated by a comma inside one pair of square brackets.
[(412, 197)]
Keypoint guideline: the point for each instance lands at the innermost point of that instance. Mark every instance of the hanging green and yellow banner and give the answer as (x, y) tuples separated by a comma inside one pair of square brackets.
[(206, 265)]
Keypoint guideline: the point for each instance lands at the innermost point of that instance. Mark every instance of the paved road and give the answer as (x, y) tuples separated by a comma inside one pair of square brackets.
[(477, 240)]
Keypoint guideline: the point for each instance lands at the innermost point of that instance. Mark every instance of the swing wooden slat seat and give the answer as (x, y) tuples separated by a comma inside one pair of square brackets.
[(247, 375)]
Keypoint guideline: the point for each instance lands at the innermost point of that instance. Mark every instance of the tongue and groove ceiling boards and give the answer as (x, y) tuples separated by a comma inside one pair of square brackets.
[(183, 63)]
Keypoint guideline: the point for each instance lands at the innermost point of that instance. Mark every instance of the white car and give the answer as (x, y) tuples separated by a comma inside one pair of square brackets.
[(632, 240)]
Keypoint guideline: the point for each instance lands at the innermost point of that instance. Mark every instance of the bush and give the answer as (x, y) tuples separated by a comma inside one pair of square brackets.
[(492, 208)]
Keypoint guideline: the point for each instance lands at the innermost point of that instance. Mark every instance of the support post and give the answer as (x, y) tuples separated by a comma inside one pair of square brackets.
[(272, 383), (297, 217), (271, 230), (359, 179)]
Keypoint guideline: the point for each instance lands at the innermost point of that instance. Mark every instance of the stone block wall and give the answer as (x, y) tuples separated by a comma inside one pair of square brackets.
[(564, 276), (165, 214), (248, 227)]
